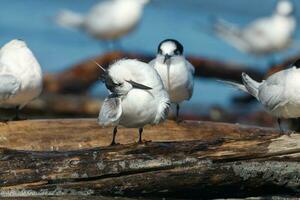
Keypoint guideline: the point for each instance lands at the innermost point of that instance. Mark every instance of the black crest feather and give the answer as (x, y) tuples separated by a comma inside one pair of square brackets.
[(297, 63), (178, 45)]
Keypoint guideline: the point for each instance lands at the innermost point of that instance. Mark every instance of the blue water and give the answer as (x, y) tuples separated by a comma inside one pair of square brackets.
[(188, 21)]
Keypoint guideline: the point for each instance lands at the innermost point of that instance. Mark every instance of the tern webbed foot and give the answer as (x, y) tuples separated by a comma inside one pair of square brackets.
[(114, 144), (17, 115), (289, 133), (17, 118), (144, 142), (178, 121)]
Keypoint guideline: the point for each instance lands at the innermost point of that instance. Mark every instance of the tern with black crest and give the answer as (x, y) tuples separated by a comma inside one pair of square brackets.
[(137, 96), (175, 71)]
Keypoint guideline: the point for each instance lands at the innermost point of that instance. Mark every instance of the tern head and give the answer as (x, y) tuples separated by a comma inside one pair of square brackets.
[(140, 2), (117, 82), (15, 43), (144, 2), (297, 64), (110, 84), (169, 48), (284, 8)]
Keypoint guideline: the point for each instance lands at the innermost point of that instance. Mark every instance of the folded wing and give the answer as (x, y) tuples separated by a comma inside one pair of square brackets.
[(110, 112), (9, 85)]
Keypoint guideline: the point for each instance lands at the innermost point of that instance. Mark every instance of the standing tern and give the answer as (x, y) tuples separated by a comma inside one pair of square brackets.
[(175, 71), (279, 93), (108, 20), (263, 36), (137, 96), (20, 76)]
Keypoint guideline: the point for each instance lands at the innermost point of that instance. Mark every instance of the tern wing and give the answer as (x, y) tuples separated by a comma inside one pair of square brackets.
[(258, 35), (9, 85), (190, 83), (231, 34), (152, 62), (272, 96), (260, 27), (102, 17), (190, 67), (110, 112), (273, 90)]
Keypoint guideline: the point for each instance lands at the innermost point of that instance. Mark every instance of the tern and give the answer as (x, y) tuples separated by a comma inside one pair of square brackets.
[(279, 93), (263, 36), (176, 72), (107, 21), (20, 76), (137, 97)]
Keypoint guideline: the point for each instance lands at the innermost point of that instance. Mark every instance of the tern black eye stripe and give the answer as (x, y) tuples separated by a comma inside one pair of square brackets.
[(110, 84), (297, 64)]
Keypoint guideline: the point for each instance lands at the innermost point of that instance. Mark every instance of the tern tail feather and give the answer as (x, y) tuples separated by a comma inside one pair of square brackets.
[(249, 85), (235, 85)]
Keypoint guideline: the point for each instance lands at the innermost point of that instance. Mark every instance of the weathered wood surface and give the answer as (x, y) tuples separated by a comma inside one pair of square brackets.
[(189, 160), (68, 198), (74, 134), (80, 77)]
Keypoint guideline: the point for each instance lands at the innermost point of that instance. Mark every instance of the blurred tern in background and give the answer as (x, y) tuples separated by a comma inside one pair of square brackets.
[(175, 71), (20, 76), (263, 36), (137, 97), (108, 20), (279, 93)]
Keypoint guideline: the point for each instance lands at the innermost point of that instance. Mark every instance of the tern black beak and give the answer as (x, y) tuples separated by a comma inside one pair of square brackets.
[(139, 86), (167, 57)]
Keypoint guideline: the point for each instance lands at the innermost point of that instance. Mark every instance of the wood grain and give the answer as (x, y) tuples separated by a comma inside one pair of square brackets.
[(188, 160)]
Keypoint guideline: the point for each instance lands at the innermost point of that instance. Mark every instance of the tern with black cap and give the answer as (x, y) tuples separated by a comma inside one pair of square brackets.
[(175, 71)]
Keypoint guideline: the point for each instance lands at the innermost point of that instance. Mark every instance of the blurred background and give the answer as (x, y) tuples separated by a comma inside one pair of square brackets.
[(189, 21)]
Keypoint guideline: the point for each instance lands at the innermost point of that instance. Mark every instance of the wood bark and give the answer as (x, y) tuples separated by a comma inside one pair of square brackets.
[(187, 160)]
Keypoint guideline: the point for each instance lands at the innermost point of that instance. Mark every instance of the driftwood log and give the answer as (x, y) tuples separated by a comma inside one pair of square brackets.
[(50, 105), (189, 160), (53, 104), (79, 78)]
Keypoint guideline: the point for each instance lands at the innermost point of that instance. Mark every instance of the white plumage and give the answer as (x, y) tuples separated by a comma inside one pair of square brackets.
[(137, 96), (279, 93), (262, 36), (107, 20), (175, 71), (20, 75)]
